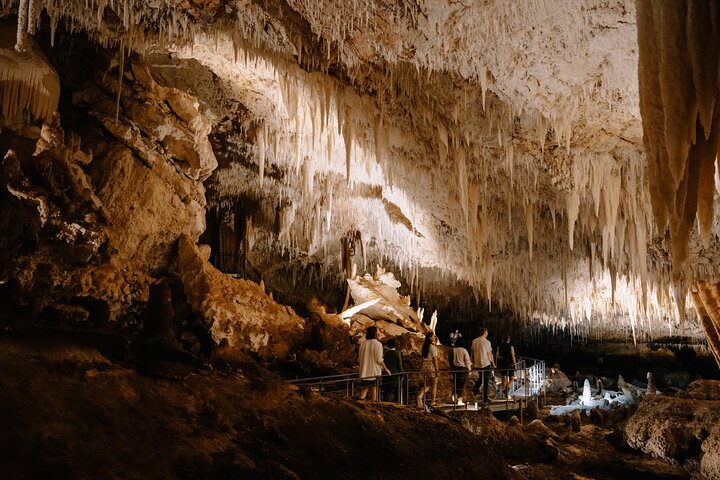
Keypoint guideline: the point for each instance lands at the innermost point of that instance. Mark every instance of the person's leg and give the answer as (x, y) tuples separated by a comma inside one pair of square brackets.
[(434, 389), (423, 389), (363, 391), (456, 384), (462, 380), (486, 382), (478, 383), (373, 393)]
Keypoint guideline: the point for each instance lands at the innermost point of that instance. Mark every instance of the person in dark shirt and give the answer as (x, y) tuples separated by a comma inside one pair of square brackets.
[(393, 360), (505, 360)]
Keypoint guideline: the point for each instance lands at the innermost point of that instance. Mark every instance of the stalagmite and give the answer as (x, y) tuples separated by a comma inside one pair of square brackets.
[(586, 396)]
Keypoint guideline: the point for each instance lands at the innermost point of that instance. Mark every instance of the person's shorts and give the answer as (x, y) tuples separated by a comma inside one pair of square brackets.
[(367, 382)]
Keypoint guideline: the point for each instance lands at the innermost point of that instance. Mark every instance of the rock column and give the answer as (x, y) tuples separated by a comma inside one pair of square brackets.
[(706, 297)]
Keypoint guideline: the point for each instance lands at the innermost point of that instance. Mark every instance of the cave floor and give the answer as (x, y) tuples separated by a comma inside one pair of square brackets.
[(68, 411)]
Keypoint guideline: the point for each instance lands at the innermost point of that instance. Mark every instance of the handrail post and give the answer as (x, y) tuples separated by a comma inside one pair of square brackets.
[(407, 389), (455, 392)]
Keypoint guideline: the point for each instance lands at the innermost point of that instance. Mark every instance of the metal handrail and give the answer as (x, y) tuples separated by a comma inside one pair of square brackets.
[(528, 381)]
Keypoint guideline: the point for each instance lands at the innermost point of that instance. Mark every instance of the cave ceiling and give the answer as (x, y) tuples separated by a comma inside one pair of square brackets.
[(489, 148)]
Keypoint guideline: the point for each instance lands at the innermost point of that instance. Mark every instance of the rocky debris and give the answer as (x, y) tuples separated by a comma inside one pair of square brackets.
[(704, 390), (55, 232), (88, 415), (236, 309), (556, 381), (148, 176), (575, 421), (530, 443), (392, 310), (678, 430), (328, 343)]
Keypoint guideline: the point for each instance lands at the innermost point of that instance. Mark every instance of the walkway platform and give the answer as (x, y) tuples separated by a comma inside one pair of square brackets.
[(528, 382)]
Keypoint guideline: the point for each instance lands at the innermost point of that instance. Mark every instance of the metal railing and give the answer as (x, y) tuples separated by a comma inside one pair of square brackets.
[(526, 382)]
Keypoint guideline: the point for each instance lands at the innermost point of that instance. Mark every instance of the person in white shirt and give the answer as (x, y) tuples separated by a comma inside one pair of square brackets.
[(370, 358), (484, 361), (462, 364)]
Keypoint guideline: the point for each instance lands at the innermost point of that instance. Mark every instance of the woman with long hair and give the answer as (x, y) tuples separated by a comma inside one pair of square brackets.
[(429, 369)]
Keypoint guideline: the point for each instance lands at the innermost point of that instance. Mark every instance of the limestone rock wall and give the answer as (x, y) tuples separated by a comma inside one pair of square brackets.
[(678, 430), (95, 200), (235, 309), (149, 175)]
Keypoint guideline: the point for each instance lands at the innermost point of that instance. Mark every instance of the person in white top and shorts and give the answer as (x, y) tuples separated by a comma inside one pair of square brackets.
[(484, 361), (370, 357)]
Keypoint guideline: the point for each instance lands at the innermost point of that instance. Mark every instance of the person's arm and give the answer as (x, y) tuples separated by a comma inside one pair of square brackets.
[(379, 361), (492, 360), (468, 361), (512, 355)]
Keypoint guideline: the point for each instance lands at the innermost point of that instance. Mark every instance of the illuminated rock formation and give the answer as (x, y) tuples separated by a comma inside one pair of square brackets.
[(30, 83), (235, 309), (492, 155), (678, 44)]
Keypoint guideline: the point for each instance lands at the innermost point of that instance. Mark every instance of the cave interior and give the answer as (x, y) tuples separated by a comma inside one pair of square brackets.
[(202, 199)]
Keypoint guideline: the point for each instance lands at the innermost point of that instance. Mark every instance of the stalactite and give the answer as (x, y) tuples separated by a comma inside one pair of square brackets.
[(27, 81), (529, 223), (121, 71), (22, 26), (32, 16), (678, 53)]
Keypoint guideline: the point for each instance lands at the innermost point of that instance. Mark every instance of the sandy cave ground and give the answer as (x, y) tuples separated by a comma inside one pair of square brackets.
[(68, 411)]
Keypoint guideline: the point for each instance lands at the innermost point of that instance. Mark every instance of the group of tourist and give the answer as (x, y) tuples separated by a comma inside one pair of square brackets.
[(373, 362)]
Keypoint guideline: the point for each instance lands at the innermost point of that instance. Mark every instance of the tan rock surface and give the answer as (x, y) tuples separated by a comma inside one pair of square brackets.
[(236, 309), (678, 430)]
